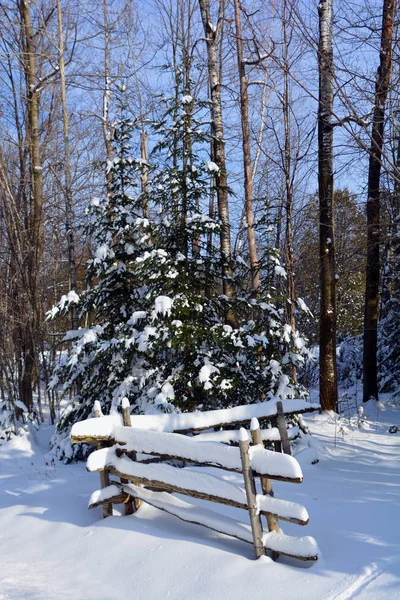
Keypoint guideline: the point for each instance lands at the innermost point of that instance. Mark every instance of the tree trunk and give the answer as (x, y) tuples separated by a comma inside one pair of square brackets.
[(328, 373), (211, 33), (248, 183), (144, 154), (35, 219), (371, 310), (289, 253), (107, 130), (69, 210)]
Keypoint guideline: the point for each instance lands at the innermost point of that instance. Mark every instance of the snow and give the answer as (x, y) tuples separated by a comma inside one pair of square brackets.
[(163, 305), (187, 99), (254, 424), (97, 408), (101, 254), (125, 403), (212, 167), (177, 445), (100, 495), (289, 545), (280, 271), (137, 316), (282, 508), (21, 405), (302, 305), (273, 464), (205, 373), (232, 435), (243, 435), (73, 297), (53, 548)]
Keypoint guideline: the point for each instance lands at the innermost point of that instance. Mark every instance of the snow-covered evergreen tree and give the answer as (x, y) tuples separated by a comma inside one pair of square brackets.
[(158, 335), (100, 358)]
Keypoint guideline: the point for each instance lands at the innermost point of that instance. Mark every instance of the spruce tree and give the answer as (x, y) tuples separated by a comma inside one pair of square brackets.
[(100, 356), (159, 336)]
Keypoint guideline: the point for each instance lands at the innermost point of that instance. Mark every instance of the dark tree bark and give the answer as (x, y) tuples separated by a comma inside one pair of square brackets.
[(287, 167), (35, 219), (371, 312), (328, 372)]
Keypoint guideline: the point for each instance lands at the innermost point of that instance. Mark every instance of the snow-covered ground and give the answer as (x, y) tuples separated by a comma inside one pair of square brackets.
[(53, 548)]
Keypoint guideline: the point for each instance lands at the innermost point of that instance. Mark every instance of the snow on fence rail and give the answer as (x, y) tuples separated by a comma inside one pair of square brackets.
[(152, 480)]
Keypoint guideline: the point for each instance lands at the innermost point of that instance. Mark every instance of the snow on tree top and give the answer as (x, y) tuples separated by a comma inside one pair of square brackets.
[(163, 305), (212, 167), (187, 99)]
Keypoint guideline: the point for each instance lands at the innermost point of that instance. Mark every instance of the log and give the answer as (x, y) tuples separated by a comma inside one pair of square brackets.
[(250, 487), (174, 447), (92, 439), (170, 457), (282, 426)]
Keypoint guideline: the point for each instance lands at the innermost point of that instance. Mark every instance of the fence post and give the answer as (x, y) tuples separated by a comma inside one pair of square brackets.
[(131, 506), (266, 484), (250, 487), (104, 475), (281, 421)]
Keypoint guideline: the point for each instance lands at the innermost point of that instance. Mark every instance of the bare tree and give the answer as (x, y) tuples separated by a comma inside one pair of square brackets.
[(69, 208)]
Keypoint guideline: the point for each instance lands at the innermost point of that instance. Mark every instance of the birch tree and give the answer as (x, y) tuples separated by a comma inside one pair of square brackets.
[(212, 32)]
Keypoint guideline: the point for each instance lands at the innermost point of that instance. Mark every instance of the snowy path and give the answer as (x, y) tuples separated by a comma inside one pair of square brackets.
[(53, 548)]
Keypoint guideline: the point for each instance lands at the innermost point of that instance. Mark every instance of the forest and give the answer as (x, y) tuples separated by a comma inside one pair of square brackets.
[(199, 296), (194, 197)]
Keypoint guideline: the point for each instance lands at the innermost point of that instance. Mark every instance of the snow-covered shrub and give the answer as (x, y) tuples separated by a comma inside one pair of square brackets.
[(389, 348), (7, 420), (350, 361)]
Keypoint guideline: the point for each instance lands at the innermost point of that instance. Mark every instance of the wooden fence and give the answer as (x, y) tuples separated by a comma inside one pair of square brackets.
[(154, 478)]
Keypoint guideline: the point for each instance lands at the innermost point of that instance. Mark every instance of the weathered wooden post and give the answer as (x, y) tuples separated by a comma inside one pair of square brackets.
[(281, 422), (104, 475), (266, 484), (251, 492), (131, 506)]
